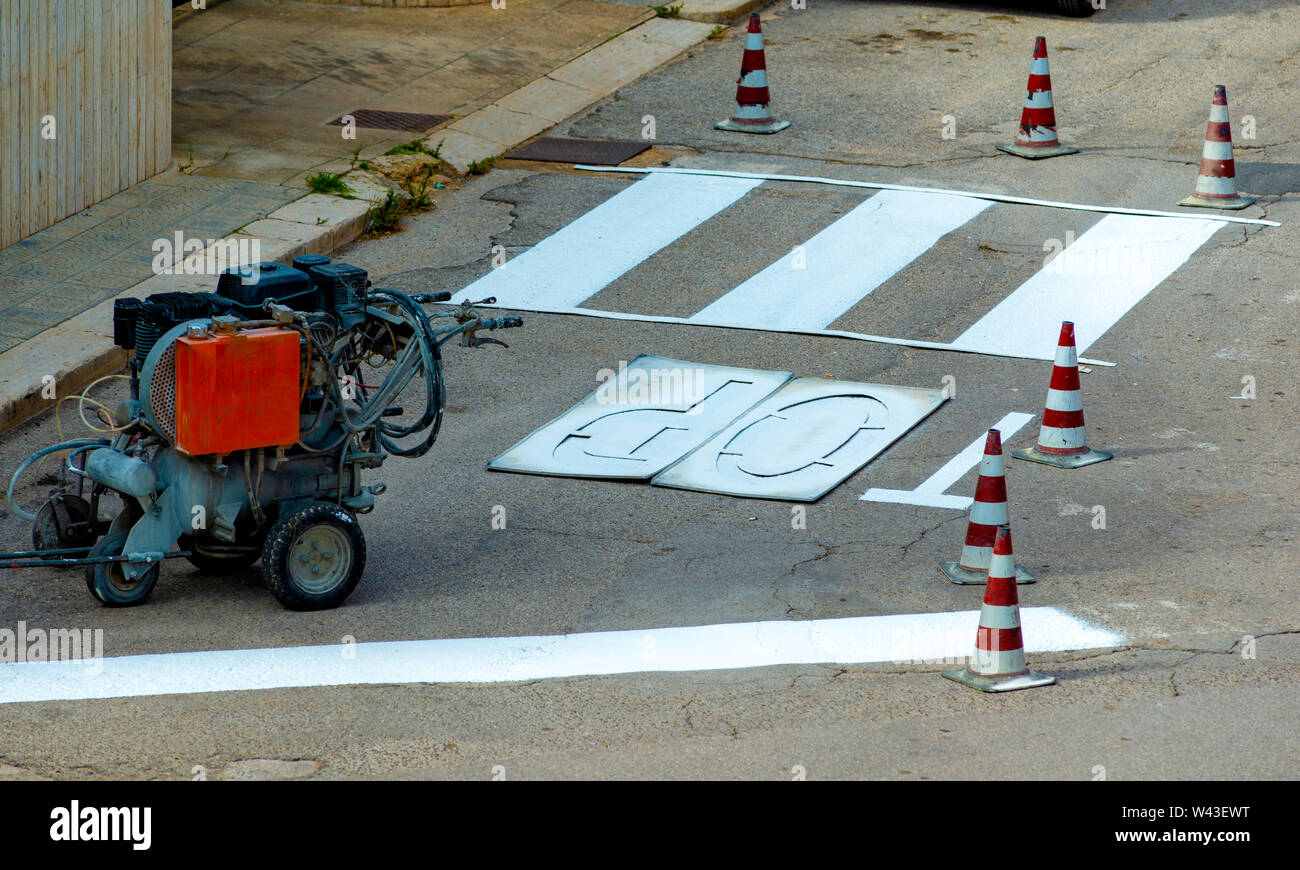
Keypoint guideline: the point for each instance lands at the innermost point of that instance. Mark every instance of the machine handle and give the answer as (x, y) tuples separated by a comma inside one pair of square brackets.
[(426, 298), (503, 323)]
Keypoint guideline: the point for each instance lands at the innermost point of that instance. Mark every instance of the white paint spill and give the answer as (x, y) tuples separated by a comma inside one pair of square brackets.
[(931, 492), (815, 284), (577, 261), (1093, 282), (904, 638)]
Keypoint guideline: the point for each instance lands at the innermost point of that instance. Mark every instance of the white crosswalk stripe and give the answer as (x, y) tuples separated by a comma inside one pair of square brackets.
[(838, 267), (1093, 282), (570, 266)]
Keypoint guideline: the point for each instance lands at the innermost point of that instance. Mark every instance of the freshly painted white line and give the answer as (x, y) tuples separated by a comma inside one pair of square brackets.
[(1093, 282), (930, 493), (831, 333), (830, 273), (873, 185), (575, 262), (905, 638)]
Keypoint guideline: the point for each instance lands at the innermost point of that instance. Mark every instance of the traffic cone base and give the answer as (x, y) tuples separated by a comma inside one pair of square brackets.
[(966, 577), (1062, 460), (1037, 153), (1233, 202), (1028, 680), (735, 126)]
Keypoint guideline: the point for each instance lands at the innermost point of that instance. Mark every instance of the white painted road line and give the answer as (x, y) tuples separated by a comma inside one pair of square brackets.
[(905, 638), (931, 492), (876, 185), (1093, 282), (577, 261), (830, 333), (842, 264)]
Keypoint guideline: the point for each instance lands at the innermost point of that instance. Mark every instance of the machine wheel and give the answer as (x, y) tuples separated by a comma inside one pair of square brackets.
[(1077, 8), (314, 557), (46, 533), (106, 581)]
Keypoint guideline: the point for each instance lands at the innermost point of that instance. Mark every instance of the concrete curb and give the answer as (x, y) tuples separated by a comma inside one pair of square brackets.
[(81, 349), (493, 130), (719, 11)]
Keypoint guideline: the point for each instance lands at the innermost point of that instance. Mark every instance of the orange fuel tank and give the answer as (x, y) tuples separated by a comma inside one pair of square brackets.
[(237, 391)]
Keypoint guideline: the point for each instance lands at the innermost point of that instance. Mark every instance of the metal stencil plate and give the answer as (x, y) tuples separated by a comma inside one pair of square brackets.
[(803, 440), (640, 420)]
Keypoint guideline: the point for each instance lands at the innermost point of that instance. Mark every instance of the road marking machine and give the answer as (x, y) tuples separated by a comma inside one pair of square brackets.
[(250, 420)]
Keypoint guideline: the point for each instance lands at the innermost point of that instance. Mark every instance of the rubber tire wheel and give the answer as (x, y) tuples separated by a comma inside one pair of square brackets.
[(316, 519), (77, 507), (1077, 8), (218, 564), (105, 580)]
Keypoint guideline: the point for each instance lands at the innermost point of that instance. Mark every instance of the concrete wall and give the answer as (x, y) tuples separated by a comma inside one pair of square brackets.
[(102, 69)]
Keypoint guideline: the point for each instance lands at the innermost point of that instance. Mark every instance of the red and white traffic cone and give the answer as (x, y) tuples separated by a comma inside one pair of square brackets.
[(998, 664), (1216, 185), (1061, 438), (752, 97), (987, 513), (1038, 120)]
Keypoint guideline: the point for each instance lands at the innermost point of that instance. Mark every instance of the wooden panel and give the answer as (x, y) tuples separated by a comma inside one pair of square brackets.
[(102, 68)]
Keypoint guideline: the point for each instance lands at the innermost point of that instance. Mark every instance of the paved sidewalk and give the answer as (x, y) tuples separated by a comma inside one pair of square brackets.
[(256, 83), (95, 254)]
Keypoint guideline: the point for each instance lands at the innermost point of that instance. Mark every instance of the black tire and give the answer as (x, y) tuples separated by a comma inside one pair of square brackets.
[(314, 557), (1077, 8), (106, 581)]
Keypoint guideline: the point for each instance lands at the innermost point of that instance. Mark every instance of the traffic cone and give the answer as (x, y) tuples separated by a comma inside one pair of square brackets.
[(998, 664), (1061, 439), (987, 513), (1037, 137), (1216, 185), (752, 98)]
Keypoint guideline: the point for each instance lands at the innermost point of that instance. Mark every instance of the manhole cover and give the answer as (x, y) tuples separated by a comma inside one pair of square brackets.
[(563, 149), (381, 119)]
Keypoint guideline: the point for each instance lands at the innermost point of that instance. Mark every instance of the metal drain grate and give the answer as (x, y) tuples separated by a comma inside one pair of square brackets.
[(564, 149), (382, 119)]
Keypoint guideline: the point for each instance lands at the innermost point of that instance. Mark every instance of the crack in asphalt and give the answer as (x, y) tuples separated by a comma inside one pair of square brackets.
[(907, 547), (1155, 63)]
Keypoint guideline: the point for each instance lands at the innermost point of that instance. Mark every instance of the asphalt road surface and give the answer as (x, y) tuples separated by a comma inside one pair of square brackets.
[(1196, 557)]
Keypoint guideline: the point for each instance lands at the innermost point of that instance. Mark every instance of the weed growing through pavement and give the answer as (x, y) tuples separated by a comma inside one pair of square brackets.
[(478, 167), (666, 11), (419, 190), (718, 32), (416, 146), (385, 216), (329, 182)]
